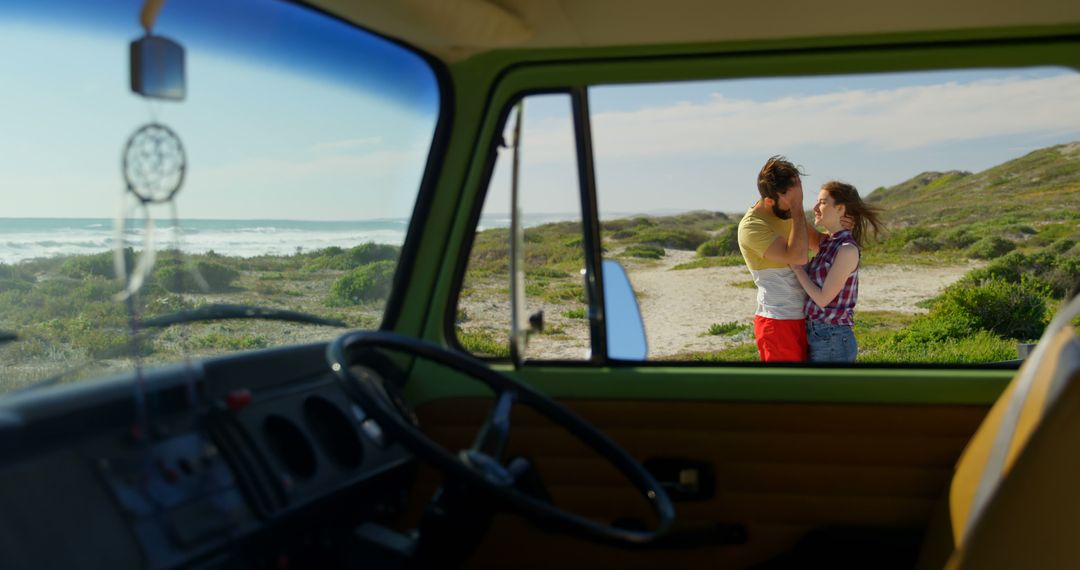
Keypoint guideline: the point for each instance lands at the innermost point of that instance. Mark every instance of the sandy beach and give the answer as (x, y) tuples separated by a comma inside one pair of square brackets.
[(679, 306)]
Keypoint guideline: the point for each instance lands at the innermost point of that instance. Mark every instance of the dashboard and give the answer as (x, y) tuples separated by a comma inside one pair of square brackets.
[(249, 460)]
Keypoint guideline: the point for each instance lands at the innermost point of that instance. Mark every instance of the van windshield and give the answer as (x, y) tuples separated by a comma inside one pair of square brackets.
[(285, 179)]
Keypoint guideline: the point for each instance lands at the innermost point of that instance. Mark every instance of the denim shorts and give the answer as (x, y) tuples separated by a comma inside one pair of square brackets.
[(830, 343)]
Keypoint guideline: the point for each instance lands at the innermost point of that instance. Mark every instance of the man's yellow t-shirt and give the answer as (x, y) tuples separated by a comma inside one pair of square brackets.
[(779, 294)]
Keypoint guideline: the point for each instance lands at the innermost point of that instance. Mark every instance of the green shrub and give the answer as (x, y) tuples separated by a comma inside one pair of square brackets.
[(225, 341), (674, 238), (922, 244), (564, 292), (932, 328), (15, 278), (710, 248), (990, 247), (367, 283), (336, 258), (1062, 245), (645, 251), (1064, 278), (725, 243), (545, 273), (897, 239), (980, 347), (97, 265), (579, 313), (1008, 268), (728, 328), (1060, 273), (533, 289), (175, 278), (722, 261), (1013, 310), (109, 344), (482, 343), (958, 238)]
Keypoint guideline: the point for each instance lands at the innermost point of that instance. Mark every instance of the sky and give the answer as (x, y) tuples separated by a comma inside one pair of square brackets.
[(700, 145), (342, 131)]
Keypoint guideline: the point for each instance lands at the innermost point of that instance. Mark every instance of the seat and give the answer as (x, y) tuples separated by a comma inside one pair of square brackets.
[(1014, 500)]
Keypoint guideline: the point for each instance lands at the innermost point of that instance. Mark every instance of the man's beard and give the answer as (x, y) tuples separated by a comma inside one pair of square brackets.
[(782, 214)]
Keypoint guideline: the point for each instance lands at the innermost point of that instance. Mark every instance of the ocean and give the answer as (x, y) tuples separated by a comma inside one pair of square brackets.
[(29, 238)]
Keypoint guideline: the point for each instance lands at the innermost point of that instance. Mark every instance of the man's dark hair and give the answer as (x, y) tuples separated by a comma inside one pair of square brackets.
[(775, 178)]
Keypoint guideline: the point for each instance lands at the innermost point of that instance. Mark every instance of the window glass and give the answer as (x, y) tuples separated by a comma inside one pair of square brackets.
[(974, 174), (303, 141), (550, 202)]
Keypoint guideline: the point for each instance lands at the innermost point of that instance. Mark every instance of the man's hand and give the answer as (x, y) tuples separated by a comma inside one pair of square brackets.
[(795, 196), (847, 222)]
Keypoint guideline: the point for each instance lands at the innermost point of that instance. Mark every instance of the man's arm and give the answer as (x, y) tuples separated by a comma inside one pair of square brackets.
[(792, 249), (813, 237)]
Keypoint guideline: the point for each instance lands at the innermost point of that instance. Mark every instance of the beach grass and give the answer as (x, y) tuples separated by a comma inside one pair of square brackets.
[(1019, 220)]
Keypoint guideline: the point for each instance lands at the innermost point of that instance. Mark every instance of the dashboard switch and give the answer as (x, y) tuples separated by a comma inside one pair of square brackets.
[(238, 399), (373, 431)]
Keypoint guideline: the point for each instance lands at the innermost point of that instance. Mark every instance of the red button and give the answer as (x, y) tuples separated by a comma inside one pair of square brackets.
[(238, 399)]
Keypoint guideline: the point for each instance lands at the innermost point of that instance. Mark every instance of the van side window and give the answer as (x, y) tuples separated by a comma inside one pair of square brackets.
[(973, 174), (553, 246)]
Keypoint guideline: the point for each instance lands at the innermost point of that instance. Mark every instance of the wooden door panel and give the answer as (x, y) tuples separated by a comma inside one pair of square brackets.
[(782, 470)]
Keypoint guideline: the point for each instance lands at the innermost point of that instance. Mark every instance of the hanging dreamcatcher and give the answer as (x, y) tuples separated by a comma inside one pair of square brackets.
[(153, 165)]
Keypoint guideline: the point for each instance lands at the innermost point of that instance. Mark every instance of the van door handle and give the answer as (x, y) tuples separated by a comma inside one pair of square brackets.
[(684, 479)]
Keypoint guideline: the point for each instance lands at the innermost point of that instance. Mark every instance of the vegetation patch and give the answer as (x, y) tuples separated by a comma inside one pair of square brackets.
[(578, 313), (673, 238), (644, 251), (745, 352), (725, 243), (990, 247), (367, 283), (1060, 273), (340, 259), (728, 329), (223, 340), (724, 261), (482, 342), (175, 277)]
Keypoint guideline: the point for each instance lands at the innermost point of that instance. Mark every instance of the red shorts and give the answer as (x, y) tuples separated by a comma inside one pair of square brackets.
[(780, 340)]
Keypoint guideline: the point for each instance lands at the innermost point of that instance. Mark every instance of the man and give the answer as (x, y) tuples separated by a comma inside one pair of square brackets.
[(772, 235)]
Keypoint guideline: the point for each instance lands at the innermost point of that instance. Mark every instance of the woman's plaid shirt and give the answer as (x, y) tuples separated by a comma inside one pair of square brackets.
[(841, 310)]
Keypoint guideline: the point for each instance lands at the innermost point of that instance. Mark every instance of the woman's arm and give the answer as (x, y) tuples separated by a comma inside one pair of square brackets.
[(847, 259)]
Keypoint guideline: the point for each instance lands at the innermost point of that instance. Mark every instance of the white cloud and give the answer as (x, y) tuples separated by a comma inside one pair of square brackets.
[(880, 119), (379, 183), (346, 145), (377, 164)]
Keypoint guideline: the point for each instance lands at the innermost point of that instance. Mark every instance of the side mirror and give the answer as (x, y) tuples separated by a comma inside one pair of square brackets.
[(625, 329)]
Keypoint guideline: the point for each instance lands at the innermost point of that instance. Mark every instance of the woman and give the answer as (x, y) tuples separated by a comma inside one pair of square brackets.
[(831, 279)]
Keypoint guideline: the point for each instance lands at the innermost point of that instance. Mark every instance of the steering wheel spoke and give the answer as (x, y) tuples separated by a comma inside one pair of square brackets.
[(494, 434), (480, 467)]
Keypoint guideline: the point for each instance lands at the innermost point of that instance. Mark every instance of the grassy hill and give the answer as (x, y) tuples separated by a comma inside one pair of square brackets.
[(1040, 187), (1026, 204)]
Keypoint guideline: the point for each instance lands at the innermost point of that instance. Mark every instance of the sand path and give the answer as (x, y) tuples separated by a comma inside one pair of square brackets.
[(679, 306)]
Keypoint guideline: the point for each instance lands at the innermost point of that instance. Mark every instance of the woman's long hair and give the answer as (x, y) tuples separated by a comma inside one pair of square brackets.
[(865, 216)]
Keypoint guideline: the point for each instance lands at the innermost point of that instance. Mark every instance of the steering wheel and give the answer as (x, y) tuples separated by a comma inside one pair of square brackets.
[(481, 466)]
